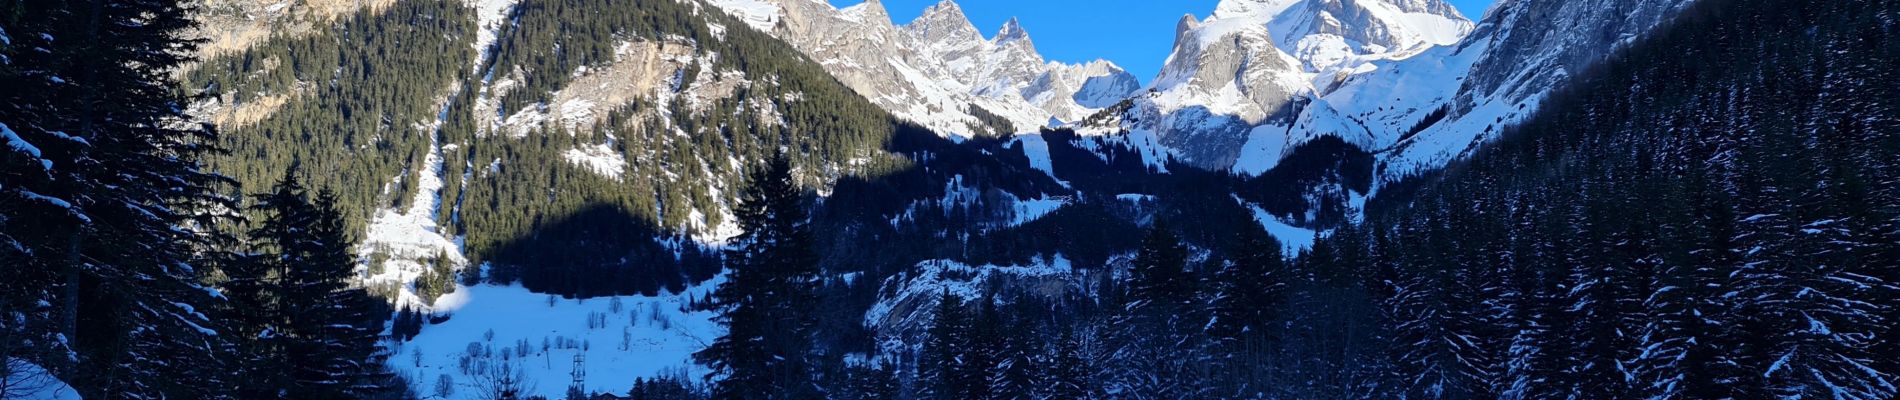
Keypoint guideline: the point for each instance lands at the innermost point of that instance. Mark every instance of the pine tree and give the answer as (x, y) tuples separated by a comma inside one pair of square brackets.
[(1247, 290), (985, 352), (1154, 332), (318, 339), (1160, 285), (941, 366), (1067, 376), (254, 288), (1246, 295), (106, 220), (1531, 295), (767, 299), (869, 383), (1015, 362), (1691, 323)]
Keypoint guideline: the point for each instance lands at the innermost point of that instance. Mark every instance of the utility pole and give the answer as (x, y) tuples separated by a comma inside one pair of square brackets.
[(578, 388)]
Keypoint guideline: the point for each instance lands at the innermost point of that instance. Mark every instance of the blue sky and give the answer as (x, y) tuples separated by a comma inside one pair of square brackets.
[(1136, 34)]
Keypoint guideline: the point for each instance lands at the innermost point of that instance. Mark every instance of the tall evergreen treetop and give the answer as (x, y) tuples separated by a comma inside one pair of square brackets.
[(104, 204), (767, 299)]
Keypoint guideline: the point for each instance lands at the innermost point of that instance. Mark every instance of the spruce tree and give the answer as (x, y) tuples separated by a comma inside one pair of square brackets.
[(985, 353), (767, 299), (319, 334), (1067, 374), (941, 366), (107, 214), (1245, 298), (1153, 332), (1160, 286)]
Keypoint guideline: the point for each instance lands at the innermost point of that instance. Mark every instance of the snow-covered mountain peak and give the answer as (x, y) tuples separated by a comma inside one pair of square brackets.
[(868, 12), (1328, 35), (944, 23), (1256, 64), (1187, 25), (1012, 31), (939, 70), (1251, 9)]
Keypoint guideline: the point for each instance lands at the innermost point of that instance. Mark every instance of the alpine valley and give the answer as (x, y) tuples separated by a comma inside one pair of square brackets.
[(790, 199)]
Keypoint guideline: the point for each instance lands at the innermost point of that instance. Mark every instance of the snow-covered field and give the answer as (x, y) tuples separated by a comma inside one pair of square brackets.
[(620, 339)]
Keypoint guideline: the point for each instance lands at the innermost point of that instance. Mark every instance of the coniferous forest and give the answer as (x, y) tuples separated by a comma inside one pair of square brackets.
[(1710, 211)]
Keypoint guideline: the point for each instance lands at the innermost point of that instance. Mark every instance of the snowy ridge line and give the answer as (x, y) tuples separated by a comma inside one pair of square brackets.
[(938, 70), (905, 300)]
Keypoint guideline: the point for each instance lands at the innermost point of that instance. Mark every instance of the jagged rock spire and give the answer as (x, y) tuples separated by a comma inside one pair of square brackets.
[(1012, 31)]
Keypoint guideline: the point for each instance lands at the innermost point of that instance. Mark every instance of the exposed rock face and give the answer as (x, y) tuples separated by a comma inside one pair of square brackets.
[(1242, 87), (1255, 63), (938, 68), (235, 25), (1558, 38), (1497, 76), (1410, 80), (1092, 86)]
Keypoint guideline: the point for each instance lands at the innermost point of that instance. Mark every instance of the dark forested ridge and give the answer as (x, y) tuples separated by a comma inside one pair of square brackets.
[(1713, 212), (1709, 214)]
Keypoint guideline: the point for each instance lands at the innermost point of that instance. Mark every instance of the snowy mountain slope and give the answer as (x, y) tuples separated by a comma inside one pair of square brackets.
[(1338, 34), (938, 70), (1528, 48), (906, 302), (1425, 110), (658, 90), (1255, 81), (1255, 63)]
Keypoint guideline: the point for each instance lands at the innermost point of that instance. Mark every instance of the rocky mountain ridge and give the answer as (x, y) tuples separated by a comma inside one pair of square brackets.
[(938, 70)]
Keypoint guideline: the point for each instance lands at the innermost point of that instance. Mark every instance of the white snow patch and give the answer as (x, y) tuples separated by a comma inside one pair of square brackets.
[(759, 14), (1135, 197), (26, 380), (646, 337), (491, 14), (408, 237), (1027, 211), (1292, 238), (598, 158), (1037, 149), (20, 144)]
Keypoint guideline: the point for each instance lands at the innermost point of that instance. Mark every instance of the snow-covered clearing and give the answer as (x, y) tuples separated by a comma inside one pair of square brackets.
[(409, 237), (618, 339), (1292, 238), (1037, 149)]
